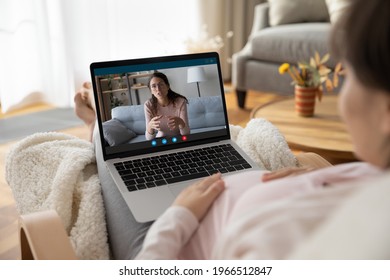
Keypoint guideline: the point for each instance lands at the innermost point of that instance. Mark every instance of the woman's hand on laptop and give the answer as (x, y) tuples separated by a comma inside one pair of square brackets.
[(199, 197)]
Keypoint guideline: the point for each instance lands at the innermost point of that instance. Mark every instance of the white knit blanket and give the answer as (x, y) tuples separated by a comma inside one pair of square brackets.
[(58, 171), (264, 143)]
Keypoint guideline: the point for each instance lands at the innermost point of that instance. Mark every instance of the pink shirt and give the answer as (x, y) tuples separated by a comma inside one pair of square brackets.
[(254, 219), (176, 109)]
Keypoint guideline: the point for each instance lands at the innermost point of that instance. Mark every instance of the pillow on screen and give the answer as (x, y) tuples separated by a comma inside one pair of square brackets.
[(116, 133), (296, 11)]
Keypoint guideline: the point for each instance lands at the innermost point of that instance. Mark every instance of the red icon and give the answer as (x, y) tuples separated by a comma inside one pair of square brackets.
[(184, 138)]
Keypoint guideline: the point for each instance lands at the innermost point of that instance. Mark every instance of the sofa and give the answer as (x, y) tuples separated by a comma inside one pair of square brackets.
[(128, 122), (282, 31)]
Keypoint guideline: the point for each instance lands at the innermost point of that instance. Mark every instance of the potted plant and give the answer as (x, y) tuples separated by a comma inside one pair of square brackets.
[(115, 82), (309, 79)]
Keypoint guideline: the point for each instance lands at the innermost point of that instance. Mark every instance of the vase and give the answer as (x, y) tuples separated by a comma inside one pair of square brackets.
[(305, 100)]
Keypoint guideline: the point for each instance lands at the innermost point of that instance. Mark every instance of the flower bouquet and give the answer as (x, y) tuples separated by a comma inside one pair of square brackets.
[(309, 79)]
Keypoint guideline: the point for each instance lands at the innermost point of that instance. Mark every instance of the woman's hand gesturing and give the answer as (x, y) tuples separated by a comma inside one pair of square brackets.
[(154, 124), (175, 123)]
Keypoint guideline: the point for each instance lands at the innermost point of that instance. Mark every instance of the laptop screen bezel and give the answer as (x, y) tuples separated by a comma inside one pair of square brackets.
[(118, 63)]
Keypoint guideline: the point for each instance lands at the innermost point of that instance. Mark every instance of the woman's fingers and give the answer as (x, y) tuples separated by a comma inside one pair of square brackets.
[(208, 181), (200, 196), (213, 191), (175, 122), (290, 171), (155, 123), (172, 123)]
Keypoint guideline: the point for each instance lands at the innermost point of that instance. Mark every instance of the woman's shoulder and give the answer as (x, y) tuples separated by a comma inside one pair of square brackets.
[(148, 103), (179, 101), (148, 106)]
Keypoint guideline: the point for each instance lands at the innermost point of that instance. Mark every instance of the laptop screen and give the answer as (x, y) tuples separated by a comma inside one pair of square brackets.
[(156, 104)]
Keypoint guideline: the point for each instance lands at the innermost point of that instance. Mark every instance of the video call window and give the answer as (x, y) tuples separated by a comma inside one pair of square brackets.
[(124, 95)]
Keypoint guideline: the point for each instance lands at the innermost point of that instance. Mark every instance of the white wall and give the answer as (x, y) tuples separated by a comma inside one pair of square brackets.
[(178, 80)]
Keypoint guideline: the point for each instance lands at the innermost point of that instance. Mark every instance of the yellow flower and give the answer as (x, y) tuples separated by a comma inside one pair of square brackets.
[(284, 68)]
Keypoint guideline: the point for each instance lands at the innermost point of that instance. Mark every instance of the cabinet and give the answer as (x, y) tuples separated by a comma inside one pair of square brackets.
[(121, 90), (137, 83)]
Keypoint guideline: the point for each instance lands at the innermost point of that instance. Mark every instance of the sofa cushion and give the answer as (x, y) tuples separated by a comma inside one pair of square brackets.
[(205, 111), (116, 133), (294, 11), (337, 8), (132, 117), (291, 43)]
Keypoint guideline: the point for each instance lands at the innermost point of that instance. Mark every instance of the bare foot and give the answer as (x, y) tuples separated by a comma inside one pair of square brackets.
[(84, 108)]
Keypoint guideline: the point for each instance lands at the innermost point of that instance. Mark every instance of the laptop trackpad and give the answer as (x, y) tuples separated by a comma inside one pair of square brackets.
[(147, 205), (176, 189)]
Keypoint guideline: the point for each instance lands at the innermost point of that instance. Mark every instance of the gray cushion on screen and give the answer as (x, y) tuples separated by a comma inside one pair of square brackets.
[(133, 117), (205, 111), (116, 133)]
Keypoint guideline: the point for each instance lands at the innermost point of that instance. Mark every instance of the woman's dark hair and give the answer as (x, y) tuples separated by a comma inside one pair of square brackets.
[(172, 96), (362, 38)]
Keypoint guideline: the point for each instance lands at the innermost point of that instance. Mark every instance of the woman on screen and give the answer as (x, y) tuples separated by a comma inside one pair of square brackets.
[(166, 111)]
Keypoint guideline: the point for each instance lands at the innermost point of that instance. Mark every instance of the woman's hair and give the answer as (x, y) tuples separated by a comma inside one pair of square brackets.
[(362, 38), (172, 96)]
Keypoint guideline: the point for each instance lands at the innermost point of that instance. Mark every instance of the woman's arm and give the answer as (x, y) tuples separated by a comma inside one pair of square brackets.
[(179, 118), (184, 116), (168, 234), (148, 119)]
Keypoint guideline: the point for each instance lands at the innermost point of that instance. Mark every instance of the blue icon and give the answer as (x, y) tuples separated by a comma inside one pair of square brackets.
[(164, 141), (174, 139), (154, 143)]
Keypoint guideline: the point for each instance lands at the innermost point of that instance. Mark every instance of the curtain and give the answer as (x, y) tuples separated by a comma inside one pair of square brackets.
[(232, 21), (46, 46), (31, 48)]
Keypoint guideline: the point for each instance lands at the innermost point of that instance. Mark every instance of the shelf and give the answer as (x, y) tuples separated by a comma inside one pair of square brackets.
[(138, 86), (135, 76), (115, 78), (115, 90)]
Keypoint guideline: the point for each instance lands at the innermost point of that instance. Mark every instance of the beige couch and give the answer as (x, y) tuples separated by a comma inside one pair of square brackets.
[(283, 31)]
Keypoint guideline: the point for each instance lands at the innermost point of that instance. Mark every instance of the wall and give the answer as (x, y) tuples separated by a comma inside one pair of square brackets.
[(178, 80)]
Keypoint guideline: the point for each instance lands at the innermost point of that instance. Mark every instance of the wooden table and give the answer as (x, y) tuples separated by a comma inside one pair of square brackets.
[(324, 133)]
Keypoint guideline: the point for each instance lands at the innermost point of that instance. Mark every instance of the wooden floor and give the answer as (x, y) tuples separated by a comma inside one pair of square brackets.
[(9, 248)]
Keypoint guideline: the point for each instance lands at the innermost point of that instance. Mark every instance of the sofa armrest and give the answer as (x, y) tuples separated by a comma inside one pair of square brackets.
[(43, 237), (260, 18), (312, 160), (260, 21)]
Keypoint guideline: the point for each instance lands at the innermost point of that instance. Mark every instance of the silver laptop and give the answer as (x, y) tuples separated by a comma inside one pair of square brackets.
[(151, 173)]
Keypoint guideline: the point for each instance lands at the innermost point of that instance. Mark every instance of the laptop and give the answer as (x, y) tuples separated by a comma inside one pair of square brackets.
[(150, 173)]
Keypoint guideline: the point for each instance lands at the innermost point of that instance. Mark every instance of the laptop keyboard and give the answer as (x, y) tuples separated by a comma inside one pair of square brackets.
[(172, 168)]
